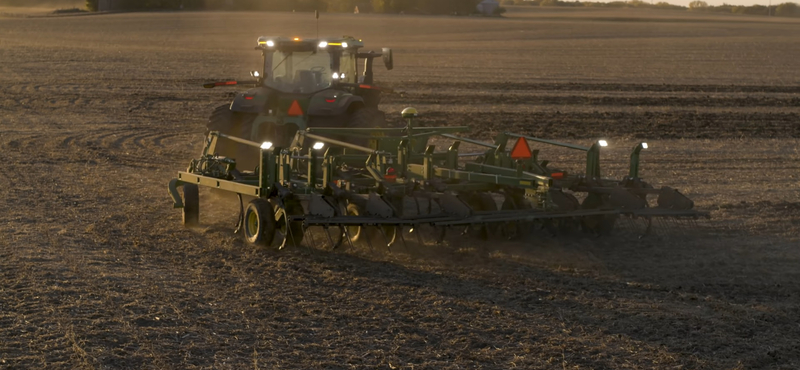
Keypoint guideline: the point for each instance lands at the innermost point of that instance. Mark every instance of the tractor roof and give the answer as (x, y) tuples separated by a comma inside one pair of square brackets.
[(298, 43)]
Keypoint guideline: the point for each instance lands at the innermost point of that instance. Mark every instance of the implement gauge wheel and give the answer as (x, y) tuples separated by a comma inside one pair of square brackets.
[(259, 222), (191, 205)]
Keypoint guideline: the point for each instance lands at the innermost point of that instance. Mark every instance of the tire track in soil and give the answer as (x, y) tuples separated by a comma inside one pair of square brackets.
[(530, 98), (601, 87), (677, 124), (665, 112), (155, 295)]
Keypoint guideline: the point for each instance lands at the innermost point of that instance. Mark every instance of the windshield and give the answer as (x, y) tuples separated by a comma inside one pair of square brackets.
[(298, 71)]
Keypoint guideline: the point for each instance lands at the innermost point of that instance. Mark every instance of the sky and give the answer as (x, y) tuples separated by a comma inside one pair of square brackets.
[(713, 2), (729, 2)]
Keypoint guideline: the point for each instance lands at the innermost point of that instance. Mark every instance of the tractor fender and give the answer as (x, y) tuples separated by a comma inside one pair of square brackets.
[(329, 103), (250, 101)]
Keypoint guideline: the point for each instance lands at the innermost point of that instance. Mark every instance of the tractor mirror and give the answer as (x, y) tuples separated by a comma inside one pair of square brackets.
[(387, 58)]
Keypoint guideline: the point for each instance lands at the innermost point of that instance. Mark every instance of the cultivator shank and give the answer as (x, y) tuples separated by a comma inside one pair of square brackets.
[(397, 182)]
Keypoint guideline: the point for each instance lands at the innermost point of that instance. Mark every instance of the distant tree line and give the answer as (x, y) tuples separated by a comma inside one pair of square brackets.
[(431, 7), (380, 6), (780, 10)]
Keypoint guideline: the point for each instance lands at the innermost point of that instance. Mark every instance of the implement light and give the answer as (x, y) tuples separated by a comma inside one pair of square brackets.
[(266, 145), (318, 145), (323, 44), (644, 145), (602, 143), (344, 45)]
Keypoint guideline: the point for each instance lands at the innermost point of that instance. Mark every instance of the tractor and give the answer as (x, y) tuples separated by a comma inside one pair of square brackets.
[(302, 83)]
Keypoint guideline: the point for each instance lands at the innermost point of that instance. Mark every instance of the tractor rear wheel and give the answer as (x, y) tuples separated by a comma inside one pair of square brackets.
[(238, 124), (365, 118)]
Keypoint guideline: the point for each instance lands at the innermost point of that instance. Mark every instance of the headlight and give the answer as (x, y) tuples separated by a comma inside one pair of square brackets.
[(335, 75), (266, 145)]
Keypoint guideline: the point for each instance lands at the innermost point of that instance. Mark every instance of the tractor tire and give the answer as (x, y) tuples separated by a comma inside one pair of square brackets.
[(365, 118), (222, 120), (191, 205), (237, 124)]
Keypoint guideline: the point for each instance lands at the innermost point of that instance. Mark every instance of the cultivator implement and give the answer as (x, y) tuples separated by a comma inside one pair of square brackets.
[(377, 185)]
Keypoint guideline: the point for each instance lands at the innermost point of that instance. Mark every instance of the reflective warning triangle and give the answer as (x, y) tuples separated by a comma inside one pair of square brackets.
[(295, 110), (521, 149)]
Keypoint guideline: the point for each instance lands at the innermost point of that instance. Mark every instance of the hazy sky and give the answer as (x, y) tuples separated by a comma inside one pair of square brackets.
[(720, 2)]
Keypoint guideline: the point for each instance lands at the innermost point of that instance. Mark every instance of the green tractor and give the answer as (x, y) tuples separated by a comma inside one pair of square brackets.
[(302, 83)]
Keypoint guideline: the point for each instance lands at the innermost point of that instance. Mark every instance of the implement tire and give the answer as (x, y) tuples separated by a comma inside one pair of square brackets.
[(259, 223), (191, 205)]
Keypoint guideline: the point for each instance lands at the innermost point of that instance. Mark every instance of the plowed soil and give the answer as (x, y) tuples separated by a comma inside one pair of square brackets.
[(97, 113)]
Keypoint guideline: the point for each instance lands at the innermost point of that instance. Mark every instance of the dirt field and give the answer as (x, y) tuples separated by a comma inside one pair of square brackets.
[(97, 113)]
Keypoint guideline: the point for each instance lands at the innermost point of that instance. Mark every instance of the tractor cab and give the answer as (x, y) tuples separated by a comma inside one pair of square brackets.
[(294, 65)]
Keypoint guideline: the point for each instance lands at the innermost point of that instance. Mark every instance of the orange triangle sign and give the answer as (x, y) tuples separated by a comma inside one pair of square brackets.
[(295, 109), (521, 149)]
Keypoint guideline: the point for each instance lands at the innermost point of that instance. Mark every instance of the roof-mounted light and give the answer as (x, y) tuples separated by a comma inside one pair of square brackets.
[(344, 45), (323, 44), (296, 39)]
